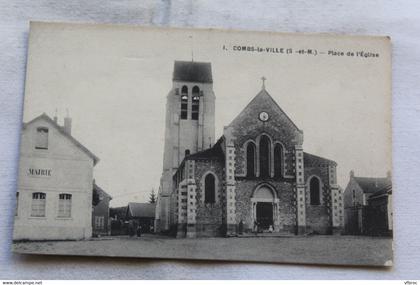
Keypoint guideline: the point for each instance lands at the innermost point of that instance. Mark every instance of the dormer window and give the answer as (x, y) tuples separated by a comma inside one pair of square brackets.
[(41, 140)]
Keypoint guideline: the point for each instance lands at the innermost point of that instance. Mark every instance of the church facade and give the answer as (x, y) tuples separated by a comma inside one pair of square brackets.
[(254, 178)]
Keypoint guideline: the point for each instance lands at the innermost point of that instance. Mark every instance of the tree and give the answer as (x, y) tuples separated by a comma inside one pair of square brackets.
[(152, 198)]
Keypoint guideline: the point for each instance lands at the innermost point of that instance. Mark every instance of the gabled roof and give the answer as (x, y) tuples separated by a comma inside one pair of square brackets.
[(61, 130), (264, 95), (372, 184), (386, 190), (192, 71), (215, 152), (100, 191), (310, 159), (141, 210), (120, 212)]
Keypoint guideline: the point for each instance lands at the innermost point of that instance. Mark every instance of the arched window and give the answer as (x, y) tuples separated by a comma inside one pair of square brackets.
[(314, 189), (184, 102), (278, 160), (209, 189), (264, 157), (195, 107), (184, 90), (250, 160)]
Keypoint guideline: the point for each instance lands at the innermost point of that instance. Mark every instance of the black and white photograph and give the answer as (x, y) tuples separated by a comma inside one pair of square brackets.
[(206, 144)]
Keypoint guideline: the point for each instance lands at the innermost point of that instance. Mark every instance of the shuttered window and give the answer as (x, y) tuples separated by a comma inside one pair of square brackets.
[(64, 205), (99, 222), (195, 106), (38, 204), (184, 103)]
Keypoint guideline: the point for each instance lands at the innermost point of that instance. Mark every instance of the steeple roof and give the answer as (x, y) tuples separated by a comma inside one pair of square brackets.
[(191, 71)]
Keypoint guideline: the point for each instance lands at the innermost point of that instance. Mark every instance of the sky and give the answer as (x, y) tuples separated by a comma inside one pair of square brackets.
[(113, 80)]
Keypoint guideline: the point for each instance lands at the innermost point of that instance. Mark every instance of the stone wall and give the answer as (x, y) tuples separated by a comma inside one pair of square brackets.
[(209, 216), (348, 194), (285, 193), (318, 218), (278, 127)]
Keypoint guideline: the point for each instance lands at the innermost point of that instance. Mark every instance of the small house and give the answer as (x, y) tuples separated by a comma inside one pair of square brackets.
[(100, 215), (141, 214)]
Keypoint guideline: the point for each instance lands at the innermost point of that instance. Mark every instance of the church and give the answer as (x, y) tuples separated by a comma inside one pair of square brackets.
[(255, 178)]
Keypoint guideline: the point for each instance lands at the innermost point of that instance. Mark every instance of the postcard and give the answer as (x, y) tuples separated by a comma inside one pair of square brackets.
[(206, 144)]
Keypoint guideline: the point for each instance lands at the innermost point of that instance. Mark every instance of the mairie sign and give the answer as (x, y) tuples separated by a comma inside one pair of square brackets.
[(39, 172)]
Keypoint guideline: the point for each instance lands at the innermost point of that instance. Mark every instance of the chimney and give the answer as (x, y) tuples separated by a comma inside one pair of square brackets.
[(351, 173), (67, 124), (389, 175)]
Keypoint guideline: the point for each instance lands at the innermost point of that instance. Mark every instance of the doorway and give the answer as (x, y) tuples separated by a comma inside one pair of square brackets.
[(264, 215)]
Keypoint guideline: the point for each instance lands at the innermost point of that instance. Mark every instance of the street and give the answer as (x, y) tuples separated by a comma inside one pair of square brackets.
[(339, 250)]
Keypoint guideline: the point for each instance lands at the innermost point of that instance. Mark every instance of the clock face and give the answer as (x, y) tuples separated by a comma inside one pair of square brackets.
[(263, 116)]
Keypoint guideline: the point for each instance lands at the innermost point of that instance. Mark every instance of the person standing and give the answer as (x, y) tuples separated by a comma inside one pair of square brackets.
[(138, 231), (241, 227)]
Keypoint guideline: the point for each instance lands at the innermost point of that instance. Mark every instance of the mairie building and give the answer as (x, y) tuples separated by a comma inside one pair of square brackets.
[(55, 183), (255, 178)]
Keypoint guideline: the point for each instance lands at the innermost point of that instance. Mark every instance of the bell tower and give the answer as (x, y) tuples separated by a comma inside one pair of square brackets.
[(190, 126)]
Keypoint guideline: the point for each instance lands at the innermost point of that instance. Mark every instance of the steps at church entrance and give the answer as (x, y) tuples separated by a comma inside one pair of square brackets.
[(267, 234)]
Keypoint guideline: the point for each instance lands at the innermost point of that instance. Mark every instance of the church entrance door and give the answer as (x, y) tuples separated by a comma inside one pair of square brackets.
[(264, 215)]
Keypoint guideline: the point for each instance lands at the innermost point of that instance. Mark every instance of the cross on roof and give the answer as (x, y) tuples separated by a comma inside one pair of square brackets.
[(263, 82)]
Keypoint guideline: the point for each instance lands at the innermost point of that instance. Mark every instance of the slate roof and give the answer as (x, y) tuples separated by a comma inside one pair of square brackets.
[(385, 190), (119, 211), (100, 191), (192, 71), (313, 160), (141, 210), (61, 130), (215, 152), (372, 184)]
